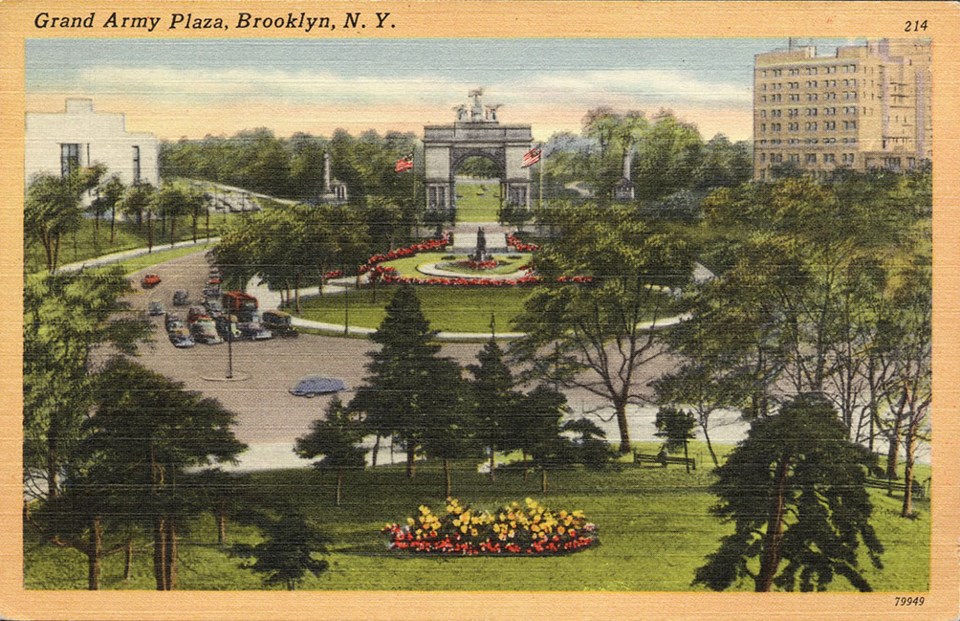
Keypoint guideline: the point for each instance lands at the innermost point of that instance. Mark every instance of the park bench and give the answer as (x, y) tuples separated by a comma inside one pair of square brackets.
[(642, 458)]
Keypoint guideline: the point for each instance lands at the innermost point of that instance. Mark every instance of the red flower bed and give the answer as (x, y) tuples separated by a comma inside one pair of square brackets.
[(519, 245), (479, 265), (431, 245)]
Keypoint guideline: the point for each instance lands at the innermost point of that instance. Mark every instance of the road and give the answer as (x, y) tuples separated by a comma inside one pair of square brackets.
[(269, 419)]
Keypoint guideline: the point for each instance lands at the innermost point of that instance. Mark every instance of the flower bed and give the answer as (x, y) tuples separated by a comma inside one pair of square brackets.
[(512, 530), (492, 264), (519, 245), (431, 245)]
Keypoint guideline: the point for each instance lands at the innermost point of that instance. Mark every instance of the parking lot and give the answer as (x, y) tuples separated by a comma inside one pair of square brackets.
[(267, 413)]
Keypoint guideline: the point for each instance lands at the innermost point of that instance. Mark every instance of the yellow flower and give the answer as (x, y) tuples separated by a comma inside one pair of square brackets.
[(424, 509), (411, 521), (502, 516), (463, 529), (456, 522), (578, 514), (473, 532), (561, 530)]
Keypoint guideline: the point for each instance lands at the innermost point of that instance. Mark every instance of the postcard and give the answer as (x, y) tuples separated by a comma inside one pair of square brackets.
[(460, 310)]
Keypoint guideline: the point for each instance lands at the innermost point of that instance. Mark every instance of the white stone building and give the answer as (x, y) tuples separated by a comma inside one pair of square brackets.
[(58, 142)]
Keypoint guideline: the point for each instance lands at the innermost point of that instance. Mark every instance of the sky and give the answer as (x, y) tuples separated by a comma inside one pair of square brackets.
[(191, 88)]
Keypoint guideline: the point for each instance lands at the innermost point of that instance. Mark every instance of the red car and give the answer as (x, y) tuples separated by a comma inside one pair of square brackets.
[(149, 281)]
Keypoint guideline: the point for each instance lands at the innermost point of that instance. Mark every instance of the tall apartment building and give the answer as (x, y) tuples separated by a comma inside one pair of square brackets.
[(863, 107)]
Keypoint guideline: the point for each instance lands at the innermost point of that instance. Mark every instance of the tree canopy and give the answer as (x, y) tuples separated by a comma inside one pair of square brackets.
[(794, 490)]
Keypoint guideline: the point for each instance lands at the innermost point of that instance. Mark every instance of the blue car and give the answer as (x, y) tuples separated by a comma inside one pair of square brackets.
[(313, 385)]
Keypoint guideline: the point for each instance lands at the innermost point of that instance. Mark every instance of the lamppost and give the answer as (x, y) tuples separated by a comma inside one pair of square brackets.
[(229, 347)]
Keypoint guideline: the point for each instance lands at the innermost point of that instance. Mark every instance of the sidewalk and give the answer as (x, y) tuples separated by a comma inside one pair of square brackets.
[(117, 257)]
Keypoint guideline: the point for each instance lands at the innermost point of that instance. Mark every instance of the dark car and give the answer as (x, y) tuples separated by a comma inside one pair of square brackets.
[(213, 306), (279, 322), (155, 309), (313, 385), (181, 339), (149, 281), (255, 331), (170, 319), (181, 297)]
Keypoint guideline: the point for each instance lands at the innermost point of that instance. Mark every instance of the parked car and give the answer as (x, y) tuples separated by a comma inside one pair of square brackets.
[(313, 385), (173, 326), (171, 318), (204, 330), (181, 297), (227, 324), (181, 339), (149, 281), (255, 331), (195, 313), (155, 309), (212, 292), (279, 322), (213, 306)]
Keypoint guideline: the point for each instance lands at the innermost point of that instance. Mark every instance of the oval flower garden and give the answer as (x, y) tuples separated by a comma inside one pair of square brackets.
[(530, 529)]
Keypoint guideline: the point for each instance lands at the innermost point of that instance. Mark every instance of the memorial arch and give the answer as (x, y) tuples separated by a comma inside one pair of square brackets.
[(475, 132)]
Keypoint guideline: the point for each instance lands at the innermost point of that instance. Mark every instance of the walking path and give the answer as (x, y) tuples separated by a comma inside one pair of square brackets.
[(118, 257)]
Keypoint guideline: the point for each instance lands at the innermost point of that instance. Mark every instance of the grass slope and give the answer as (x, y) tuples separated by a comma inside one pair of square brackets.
[(654, 525), (478, 202)]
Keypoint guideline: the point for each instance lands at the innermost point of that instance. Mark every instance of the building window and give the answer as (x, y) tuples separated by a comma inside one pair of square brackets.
[(811, 158), (69, 158), (847, 158), (811, 127), (829, 158), (136, 164), (794, 157)]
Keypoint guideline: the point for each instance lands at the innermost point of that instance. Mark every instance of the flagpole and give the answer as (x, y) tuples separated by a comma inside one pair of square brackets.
[(542, 162), (416, 209)]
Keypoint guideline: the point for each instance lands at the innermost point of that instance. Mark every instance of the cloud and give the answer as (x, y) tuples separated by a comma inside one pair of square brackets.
[(195, 101)]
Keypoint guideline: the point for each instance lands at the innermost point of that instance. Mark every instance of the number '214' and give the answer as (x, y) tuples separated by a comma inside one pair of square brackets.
[(915, 25)]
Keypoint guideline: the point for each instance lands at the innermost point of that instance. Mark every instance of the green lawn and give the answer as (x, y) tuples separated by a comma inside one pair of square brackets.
[(478, 202), (462, 309), (80, 246), (654, 525)]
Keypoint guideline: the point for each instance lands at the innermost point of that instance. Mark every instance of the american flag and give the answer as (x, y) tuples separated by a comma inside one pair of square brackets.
[(404, 164), (531, 157)]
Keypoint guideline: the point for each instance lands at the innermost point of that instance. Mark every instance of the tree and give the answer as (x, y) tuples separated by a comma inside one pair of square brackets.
[(598, 335), (87, 516), (590, 447), (336, 437), (219, 491), (136, 202), (153, 447), (109, 195), (794, 489), (401, 395), (67, 318), (52, 210), (676, 428), (452, 428), (542, 409), (170, 202), (285, 557), (495, 401)]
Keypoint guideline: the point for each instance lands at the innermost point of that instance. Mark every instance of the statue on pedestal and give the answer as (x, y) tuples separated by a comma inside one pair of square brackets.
[(481, 252)]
